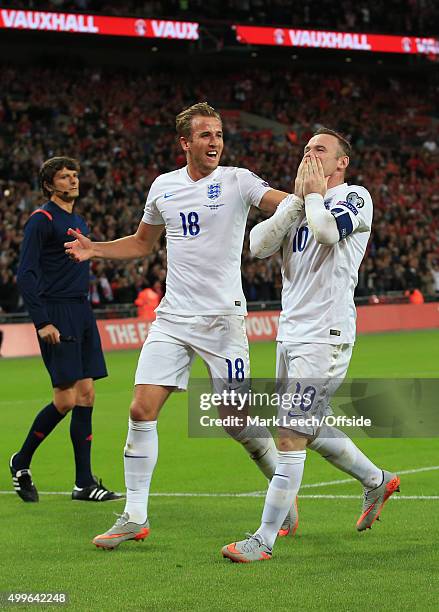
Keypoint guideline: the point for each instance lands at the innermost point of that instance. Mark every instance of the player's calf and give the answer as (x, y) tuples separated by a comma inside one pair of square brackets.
[(291, 522)]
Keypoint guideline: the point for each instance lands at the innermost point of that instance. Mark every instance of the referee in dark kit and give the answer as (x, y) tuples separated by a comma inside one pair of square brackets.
[(55, 291)]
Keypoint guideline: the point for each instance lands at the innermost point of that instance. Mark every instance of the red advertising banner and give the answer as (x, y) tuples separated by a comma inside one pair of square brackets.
[(119, 334), (321, 39), (73, 23), (262, 325)]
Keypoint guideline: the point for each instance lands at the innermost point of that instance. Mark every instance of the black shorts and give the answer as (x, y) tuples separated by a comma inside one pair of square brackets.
[(68, 362)]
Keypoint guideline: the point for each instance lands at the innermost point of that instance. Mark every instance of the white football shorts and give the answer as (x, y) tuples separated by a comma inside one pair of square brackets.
[(174, 340), (313, 372)]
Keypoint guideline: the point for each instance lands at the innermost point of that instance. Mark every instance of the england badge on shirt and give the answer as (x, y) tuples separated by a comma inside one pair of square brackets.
[(214, 191)]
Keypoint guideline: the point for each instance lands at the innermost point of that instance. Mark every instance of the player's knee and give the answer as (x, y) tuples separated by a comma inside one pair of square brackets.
[(64, 399), (292, 442), (143, 410), (284, 445), (85, 398), (64, 404), (234, 432)]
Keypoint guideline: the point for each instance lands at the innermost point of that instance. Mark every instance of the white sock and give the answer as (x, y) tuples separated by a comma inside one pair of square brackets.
[(259, 444), (281, 493), (140, 457), (338, 449)]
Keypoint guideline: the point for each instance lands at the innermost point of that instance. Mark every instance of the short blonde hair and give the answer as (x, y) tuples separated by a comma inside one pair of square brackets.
[(183, 121)]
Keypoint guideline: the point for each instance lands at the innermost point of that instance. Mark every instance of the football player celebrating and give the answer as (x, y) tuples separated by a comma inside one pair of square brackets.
[(321, 252), (204, 208)]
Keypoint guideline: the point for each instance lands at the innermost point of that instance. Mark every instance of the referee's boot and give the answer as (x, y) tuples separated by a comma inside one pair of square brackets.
[(96, 492), (22, 482)]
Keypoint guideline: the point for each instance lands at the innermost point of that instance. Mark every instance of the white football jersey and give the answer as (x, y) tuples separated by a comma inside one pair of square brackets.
[(319, 280), (205, 223)]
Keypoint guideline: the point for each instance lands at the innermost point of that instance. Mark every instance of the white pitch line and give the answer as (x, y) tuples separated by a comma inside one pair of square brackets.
[(394, 497), (254, 494), (350, 480), (422, 469), (263, 493)]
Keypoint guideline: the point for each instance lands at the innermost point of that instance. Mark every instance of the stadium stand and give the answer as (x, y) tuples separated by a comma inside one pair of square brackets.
[(417, 17), (121, 128)]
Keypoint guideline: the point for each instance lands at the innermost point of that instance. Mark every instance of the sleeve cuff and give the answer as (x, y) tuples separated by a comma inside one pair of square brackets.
[(314, 197), (41, 325)]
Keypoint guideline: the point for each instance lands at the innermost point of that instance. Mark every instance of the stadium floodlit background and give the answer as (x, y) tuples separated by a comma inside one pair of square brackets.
[(107, 92)]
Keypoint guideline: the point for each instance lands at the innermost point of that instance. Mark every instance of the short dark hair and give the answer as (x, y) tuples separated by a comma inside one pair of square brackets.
[(51, 166), (344, 144), (183, 121)]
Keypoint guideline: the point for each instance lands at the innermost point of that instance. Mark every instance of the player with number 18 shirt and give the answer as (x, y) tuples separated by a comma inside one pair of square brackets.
[(203, 208)]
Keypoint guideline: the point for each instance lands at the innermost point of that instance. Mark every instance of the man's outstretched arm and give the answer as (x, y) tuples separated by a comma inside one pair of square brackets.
[(135, 246)]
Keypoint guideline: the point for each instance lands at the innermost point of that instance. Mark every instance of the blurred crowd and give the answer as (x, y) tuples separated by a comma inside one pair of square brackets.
[(121, 127), (417, 17)]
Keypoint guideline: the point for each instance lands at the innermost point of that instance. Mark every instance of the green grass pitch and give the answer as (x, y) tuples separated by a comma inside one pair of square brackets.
[(327, 566)]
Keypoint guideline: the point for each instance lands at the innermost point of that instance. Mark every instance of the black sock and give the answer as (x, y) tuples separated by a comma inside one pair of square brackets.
[(80, 433), (44, 423)]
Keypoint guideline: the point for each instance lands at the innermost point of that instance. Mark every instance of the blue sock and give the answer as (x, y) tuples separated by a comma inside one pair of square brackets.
[(81, 436), (44, 423)]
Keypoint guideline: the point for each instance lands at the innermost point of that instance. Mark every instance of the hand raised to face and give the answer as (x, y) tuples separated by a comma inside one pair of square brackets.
[(298, 183), (314, 177)]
